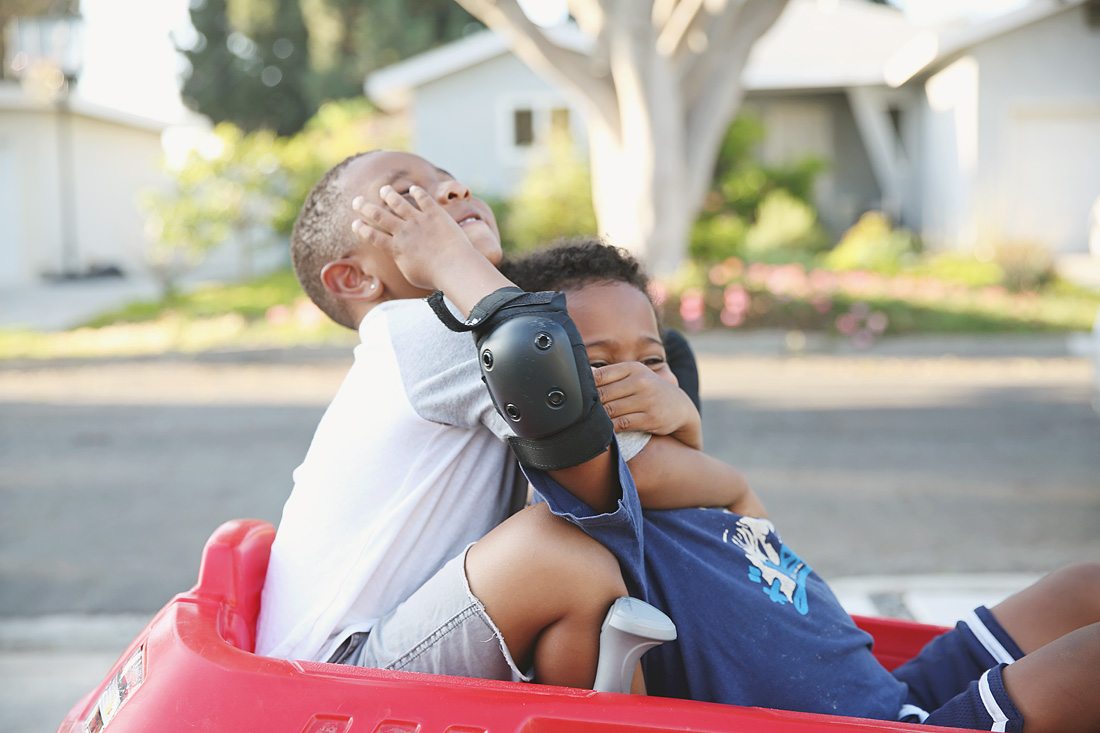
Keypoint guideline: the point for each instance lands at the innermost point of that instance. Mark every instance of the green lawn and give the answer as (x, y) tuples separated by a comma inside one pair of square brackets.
[(271, 311), (267, 312)]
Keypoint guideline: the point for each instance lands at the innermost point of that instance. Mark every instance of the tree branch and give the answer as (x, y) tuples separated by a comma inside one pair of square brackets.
[(720, 91), (721, 30), (569, 68), (675, 29)]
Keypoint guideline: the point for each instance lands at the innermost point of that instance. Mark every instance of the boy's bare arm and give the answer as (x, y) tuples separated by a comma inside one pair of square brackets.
[(433, 252), (671, 475), (671, 471)]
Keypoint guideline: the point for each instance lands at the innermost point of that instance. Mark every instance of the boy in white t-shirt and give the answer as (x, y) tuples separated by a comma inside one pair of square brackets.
[(409, 466)]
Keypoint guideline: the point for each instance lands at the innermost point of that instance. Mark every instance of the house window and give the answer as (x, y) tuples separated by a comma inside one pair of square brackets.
[(559, 122), (528, 124), (523, 128)]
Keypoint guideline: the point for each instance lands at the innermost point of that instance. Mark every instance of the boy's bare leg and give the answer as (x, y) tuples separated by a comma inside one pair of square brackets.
[(547, 586), (1054, 687), (1059, 603)]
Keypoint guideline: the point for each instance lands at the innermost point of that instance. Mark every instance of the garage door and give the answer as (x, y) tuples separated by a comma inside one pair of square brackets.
[(1054, 176)]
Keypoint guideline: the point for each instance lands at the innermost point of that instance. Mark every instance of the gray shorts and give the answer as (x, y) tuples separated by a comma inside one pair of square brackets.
[(442, 628)]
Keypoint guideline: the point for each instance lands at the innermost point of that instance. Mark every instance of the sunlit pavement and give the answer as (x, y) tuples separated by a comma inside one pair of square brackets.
[(876, 467)]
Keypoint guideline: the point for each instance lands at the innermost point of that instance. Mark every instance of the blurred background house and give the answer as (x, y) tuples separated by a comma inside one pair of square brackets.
[(70, 173), (974, 134)]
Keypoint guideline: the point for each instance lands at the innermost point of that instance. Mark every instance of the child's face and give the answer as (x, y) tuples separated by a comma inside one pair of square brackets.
[(365, 176), (617, 323)]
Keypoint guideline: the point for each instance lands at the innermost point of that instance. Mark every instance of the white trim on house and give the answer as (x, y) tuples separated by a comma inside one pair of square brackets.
[(931, 49), (391, 88)]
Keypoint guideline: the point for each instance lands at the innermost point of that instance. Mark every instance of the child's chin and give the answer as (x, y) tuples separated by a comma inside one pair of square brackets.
[(487, 244)]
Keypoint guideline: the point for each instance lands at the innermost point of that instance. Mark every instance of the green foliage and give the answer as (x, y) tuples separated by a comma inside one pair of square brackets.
[(717, 237), (554, 200), (254, 73), (873, 244), (737, 197), (339, 129), (786, 229), (250, 299), (265, 64), (247, 188), (228, 193), (959, 267), (351, 38)]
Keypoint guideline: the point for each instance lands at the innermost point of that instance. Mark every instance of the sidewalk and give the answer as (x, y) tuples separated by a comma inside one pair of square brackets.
[(48, 663), (55, 306)]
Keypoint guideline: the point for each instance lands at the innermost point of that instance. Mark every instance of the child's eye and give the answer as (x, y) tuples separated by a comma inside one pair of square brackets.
[(654, 362), (597, 364)]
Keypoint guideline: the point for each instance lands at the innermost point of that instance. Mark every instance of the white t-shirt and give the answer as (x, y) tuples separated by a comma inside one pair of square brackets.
[(407, 467)]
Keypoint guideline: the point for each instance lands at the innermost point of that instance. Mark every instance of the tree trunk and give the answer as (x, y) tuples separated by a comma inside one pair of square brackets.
[(660, 86)]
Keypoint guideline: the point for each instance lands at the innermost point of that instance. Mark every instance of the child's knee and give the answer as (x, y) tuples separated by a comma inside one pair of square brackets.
[(536, 550), (1078, 584)]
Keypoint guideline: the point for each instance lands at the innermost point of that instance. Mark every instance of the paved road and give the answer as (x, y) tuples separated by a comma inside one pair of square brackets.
[(113, 474)]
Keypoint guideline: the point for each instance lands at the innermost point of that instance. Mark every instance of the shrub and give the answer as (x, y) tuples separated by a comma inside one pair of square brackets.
[(873, 244), (248, 188), (554, 200), (742, 189), (715, 238), (1026, 265), (785, 229)]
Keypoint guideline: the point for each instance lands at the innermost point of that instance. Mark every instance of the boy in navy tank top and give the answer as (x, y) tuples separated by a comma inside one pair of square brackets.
[(756, 625)]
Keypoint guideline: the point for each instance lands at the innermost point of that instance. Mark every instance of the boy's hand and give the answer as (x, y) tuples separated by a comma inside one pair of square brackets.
[(637, 398), (419, 235)]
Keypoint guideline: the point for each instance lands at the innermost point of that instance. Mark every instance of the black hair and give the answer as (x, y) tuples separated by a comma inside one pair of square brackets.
[(322, 234), (569, 264)]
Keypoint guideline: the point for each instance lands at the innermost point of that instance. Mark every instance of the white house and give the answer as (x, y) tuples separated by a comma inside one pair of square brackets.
[(69, 181), (1008, 138), (982, 133)]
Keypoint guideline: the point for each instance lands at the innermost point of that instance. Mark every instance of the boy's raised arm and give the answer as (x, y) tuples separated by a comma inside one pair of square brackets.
[(433, 252)]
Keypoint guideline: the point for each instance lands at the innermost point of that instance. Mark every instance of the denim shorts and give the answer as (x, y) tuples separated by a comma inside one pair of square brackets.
[(442, 628)]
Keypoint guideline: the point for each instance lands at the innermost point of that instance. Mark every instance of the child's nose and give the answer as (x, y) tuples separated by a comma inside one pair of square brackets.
[(451, 191)]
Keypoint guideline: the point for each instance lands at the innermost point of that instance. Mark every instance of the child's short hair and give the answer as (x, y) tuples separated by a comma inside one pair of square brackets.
[(569, 264), (322, 234)]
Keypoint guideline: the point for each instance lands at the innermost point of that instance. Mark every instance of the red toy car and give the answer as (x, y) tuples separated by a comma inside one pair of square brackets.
[(192, 669)]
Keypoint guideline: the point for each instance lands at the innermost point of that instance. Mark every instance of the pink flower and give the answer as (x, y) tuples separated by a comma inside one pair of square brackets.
[(733, 319), (736, 299), (277, 315), (692, 308), (847, 324), (877, 322)]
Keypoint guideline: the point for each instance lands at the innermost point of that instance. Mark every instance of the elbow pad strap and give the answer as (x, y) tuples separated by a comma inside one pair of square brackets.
[(536, 368)]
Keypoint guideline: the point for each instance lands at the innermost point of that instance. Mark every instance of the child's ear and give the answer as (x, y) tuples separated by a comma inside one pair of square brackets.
[(345, 278)]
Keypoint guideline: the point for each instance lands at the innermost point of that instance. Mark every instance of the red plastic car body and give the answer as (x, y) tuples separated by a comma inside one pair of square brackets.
[(192, 669)]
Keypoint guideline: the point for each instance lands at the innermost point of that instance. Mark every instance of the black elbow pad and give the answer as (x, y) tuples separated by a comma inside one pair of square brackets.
[(536, 369)]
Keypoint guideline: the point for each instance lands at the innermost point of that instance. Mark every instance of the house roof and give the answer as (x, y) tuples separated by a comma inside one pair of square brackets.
[(13, 97), (815, 44), (928, 51)]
